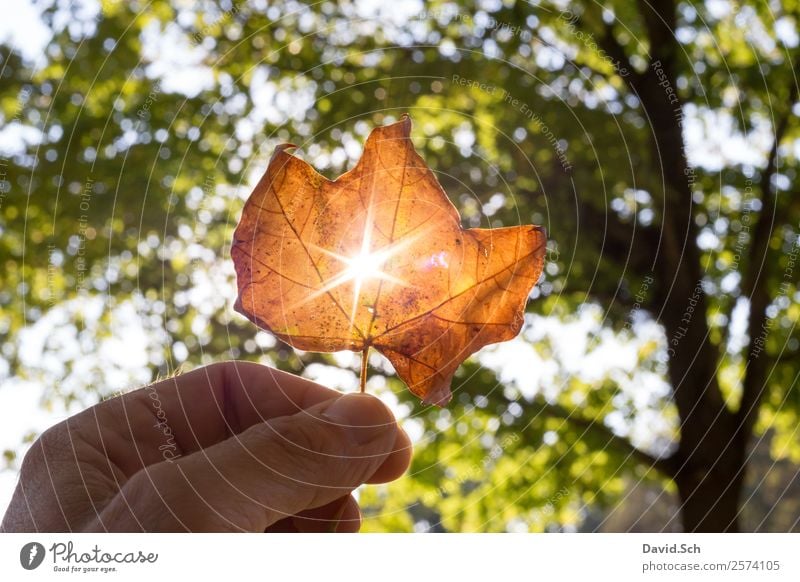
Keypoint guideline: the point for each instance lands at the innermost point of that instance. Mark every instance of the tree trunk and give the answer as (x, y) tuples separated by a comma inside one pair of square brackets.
[(710, 477), (708, 465), (710, 495)]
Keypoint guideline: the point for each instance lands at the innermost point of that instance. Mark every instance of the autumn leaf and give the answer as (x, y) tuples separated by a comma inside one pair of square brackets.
[(378, 259)]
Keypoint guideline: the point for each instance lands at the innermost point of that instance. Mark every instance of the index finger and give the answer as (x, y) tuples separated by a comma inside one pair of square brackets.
[(191, 411)]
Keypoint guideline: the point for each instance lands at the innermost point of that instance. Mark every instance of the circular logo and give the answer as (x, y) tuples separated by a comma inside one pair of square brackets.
[(31, 555)]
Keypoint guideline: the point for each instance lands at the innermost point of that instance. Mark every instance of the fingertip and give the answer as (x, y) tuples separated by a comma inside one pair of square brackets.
[(360, 409), (364, 419), (397, 462)]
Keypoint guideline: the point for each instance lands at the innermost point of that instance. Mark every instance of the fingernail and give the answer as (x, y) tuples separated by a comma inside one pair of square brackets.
[(363, 417)]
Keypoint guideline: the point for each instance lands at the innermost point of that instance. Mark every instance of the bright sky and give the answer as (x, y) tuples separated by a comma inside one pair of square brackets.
[(518, 364)]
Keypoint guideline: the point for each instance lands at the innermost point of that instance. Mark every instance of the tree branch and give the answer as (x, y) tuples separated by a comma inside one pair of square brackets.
[(763, 229), (630, 244), (609, 43), (692, 363), (659, 19), (754, 285), (663, 464)]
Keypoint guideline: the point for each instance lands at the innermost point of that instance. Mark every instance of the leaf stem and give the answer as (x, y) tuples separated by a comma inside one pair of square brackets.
[(364, 362)]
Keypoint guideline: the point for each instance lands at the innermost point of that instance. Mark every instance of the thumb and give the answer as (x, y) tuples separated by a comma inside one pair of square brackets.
[(270, 471)]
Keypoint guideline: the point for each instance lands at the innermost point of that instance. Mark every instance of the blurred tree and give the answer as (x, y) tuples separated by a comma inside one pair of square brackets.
[(657, 142)]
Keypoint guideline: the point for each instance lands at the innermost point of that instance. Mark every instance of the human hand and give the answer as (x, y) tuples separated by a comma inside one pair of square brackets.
[(234, 446)]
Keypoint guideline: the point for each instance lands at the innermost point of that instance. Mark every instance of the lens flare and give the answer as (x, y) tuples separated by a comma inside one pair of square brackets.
[(366, 265)]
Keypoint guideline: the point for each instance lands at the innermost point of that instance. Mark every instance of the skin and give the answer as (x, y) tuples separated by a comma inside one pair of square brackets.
[(234, 446)]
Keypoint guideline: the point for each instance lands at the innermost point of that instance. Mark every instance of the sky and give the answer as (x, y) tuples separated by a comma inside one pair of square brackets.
[(582, 346)]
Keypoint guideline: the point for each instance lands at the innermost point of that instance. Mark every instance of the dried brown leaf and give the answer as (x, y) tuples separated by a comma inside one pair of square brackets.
[(378, 258)]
